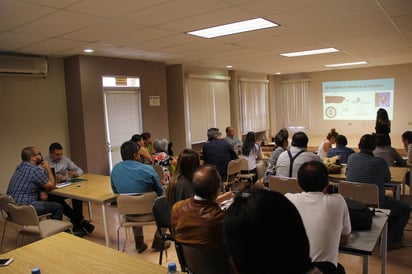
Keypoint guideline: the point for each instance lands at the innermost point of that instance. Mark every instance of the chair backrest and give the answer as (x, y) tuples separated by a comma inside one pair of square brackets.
[(4, 205), (24, 215), (159, 171), (233, 169), (162, 213), (203, 261), (363, 192), (244, 164), (136, 204), (284, 184)]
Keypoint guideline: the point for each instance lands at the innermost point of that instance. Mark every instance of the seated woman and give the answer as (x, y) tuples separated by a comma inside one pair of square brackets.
[(327, 144), (281, 141), (145, 156), (251, 151), (252, 222), (161, 158)]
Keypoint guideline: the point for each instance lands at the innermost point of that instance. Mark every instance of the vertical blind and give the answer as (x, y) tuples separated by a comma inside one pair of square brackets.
[(253, 105), (208, 105), (295, 103)]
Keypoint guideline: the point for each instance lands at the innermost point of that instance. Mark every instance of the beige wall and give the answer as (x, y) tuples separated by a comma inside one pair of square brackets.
[(33, 113), (355, 129)]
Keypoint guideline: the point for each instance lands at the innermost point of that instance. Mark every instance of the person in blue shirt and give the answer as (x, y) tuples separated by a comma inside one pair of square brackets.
[(341, 149), (132, 176)]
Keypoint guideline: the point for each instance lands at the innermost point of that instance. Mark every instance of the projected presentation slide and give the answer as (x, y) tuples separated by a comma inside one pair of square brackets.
[(357, 100)]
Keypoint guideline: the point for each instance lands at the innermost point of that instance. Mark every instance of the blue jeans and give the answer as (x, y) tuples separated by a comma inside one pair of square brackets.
[(44, 207)]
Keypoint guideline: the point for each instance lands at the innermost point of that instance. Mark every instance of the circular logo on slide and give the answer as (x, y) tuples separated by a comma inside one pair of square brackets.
[(330, 112)]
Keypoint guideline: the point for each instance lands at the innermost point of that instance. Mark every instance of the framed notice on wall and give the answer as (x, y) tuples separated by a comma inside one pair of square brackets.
[(154, 101)]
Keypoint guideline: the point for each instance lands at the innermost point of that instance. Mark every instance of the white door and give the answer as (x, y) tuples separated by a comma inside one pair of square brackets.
[(123, 119)]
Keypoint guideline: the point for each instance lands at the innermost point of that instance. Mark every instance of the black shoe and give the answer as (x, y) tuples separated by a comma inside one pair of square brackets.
[(87, 226), (78, 231), (161, 246)]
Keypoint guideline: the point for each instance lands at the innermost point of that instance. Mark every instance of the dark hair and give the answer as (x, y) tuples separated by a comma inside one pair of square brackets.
[(243, 235), (136, 138), (187, 163), (27, 153), (285, 132), (249, 143), (382, 115), (280, 139), (367, 142), (300, 139), (341, 140), (407, 135), (332, 134), (128, 150), (382, 140), (313, 176), (55, 146), (227, 129), (206, 182), (212, 133)]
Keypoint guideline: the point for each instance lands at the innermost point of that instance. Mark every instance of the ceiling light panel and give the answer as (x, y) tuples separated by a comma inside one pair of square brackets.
[(309, 52)]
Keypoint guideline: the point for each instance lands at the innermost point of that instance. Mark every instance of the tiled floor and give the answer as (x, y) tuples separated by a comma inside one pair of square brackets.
[(399, 261)]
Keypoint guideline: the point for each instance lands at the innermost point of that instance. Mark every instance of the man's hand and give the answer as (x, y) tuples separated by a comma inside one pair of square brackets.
[(72, 173), (43, 195), (45, 164)]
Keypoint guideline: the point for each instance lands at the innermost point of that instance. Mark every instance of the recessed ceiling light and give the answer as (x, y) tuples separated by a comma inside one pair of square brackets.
[(229, 66), (278, 73), (238, 27), (309, 52), (346, 64), (88, 50)]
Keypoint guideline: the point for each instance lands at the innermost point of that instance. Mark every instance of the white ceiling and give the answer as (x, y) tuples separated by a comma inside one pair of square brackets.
[(376, 31)]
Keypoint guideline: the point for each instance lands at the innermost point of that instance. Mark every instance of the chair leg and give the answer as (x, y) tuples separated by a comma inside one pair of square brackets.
[(2, 235), (118, 238)]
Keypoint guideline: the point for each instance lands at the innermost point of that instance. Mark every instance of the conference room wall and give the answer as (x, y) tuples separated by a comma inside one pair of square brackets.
[(33, 112), (318, 127), (84, 91)]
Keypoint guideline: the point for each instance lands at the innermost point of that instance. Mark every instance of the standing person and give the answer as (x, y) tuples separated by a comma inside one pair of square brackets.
[(232, 139), (131, 176), (217, 152), (197, 221), (251, 151), (29, 183), (145, 156), (325, 216), (341, 149), (363, 167), (288, 245), (386, 152), (382, 124), (327, 144), (64, 169), (164, 160), (290, 160)]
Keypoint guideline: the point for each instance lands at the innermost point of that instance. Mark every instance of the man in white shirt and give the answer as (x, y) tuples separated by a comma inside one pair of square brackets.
[(297, 154), (325, 216)]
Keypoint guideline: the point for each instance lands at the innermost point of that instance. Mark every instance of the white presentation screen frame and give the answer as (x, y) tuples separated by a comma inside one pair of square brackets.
[(357, 100)]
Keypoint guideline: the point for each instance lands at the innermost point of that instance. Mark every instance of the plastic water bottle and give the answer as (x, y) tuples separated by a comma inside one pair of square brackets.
[(171, 268)]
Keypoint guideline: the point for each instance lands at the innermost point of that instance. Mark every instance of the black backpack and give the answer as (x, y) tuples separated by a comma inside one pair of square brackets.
[(360, 215)]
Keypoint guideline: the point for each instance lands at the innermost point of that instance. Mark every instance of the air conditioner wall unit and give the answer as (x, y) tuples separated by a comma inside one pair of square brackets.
[(12, 65)]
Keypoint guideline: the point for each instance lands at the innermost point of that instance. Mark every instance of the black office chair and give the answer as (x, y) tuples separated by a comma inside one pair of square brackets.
[(203, 261), (162, 214)]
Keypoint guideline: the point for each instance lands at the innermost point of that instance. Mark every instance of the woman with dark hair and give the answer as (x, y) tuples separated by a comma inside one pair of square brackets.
[(145, 156), (251, 151), (384, 150), (383, 124), (147, 141), (341, 149), (281, 141), (181, 186)]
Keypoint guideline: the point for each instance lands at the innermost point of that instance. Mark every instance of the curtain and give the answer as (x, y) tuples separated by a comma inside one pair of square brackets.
[(295, 103)]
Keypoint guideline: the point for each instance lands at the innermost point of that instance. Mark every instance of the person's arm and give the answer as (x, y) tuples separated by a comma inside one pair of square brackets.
[(223, 197), (327, 146), (399, 161), (51, 184), (72, 169), (145, 154), (344, 239)]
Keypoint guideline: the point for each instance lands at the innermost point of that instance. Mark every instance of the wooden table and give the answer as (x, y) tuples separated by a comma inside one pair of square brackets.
[(362, 243), (65, 253), (96, 189), (397, 178)]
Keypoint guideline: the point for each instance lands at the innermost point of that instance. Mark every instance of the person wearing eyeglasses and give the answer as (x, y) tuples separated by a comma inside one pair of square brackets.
[(29, 183)]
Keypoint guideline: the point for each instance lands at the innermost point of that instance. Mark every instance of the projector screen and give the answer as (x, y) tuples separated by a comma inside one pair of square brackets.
[(357, 100)]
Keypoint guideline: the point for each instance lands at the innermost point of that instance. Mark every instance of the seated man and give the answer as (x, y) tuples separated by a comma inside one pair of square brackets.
[(132, 176), (29, 179), (64, 169), (341, 149), (217, 152), (197, 221), (290, 160), (364, 167), (266, 219), (325, 216)]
